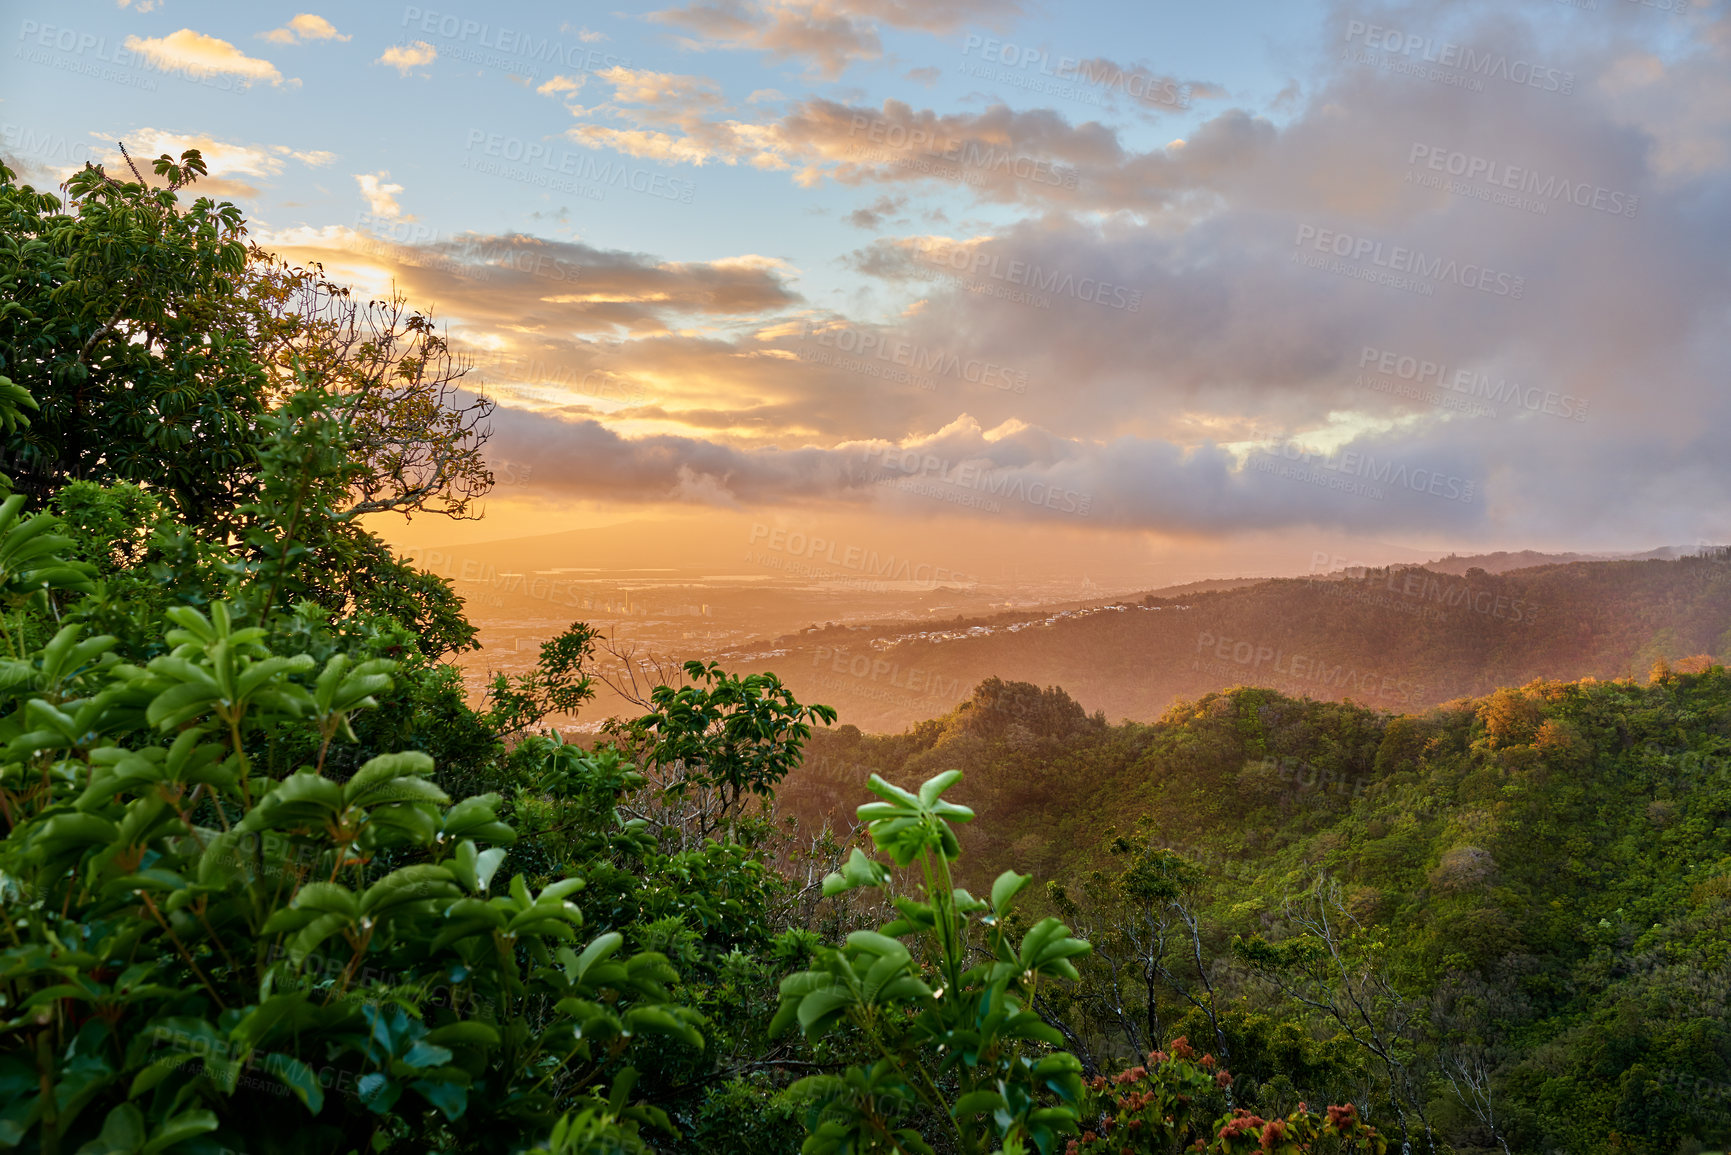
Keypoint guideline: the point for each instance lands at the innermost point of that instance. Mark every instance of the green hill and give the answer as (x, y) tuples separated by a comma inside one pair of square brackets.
[(1555, 858)]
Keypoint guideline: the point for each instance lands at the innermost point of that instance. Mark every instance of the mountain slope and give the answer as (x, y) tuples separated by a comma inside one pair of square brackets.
[(1543, 875), (1397, 639)]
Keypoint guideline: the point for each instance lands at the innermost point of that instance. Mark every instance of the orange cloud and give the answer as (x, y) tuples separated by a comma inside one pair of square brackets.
[(405, 58), (302, 28), (196, 53)]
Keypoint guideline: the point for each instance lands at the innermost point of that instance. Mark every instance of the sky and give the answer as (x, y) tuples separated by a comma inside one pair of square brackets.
[(1219, 287)]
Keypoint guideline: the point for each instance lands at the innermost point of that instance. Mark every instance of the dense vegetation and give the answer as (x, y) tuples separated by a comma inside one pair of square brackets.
[(272, 884), (1508, 918)]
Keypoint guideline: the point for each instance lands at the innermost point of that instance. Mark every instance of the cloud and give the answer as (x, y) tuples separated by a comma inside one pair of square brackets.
[(1014, 471), (560, 84), (872, 216), (317, 158), (1031, 157), (405, 58), (692, 107), (198, 54), (827, 35), (304, 27), (542, 290), (381, 197), (140, 6)]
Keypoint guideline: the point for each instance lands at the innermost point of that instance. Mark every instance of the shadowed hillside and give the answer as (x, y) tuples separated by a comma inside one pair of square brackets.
[(1396, 639)]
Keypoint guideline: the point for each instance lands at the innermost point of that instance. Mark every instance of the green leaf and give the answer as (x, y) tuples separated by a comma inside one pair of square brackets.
[(978, 1103), (298, 1078), (1008, 885), (123, 1133)]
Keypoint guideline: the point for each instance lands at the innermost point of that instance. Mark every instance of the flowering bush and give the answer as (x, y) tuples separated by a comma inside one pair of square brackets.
[(1164, 1108)]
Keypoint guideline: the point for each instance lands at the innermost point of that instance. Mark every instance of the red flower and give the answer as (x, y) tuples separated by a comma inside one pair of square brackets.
[(1223, 1078), (1275, 1130), (1340, 1118), (1242, 1123)]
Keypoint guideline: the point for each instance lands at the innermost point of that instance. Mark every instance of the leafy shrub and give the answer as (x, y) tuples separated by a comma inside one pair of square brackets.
[(208, 952)]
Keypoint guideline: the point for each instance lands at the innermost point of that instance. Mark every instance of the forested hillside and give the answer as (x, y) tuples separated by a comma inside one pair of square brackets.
[(1528, 893), (1399, 639)]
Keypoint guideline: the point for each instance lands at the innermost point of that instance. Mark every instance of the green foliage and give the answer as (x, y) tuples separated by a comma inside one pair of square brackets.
[(32, 565), (966, 1054), (14, 399), (189, 934), (557, 685), (727, 737), (1526, 894), (124, 319)]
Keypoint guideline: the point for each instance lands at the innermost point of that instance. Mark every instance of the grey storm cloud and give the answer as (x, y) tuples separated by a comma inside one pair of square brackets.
[(1021, 473)]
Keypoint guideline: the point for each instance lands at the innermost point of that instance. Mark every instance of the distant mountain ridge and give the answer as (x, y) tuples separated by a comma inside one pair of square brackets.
[(1399, 638)]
